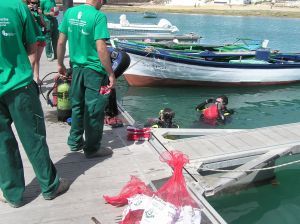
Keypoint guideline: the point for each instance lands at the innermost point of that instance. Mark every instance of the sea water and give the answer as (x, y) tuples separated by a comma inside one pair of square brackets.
[(254, 106), (283, 33), (276, 202)]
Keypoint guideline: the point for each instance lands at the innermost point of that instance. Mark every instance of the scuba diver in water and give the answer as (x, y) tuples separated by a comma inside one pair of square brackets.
[(215, 111), (165, 120)]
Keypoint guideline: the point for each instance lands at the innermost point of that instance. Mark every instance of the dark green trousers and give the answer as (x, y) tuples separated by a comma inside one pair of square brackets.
[(52, 38), (87, 109), (23, 107)]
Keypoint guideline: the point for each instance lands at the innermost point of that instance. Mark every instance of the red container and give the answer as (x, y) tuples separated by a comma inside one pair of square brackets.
[(104, 90), (138, 134)]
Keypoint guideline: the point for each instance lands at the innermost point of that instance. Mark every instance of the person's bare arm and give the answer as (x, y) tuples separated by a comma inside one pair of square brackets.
[(61, 50), (31, 52), (104, 57)]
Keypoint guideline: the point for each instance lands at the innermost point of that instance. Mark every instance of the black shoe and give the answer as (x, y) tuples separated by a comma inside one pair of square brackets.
[(100, 153), (79, 148), (13, 205), (63, 187)]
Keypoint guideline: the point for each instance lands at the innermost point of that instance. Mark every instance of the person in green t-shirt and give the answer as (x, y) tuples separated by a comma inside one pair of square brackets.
[(50, 11), (34, 6), (20, 104), (85, 28)]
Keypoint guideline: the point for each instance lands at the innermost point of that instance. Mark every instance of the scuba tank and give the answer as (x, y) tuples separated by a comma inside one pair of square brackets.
[(60, 90), (64, 108), (61, 97)]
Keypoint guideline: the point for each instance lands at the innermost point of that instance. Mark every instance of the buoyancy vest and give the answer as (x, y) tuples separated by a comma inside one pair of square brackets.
[(211, 112)]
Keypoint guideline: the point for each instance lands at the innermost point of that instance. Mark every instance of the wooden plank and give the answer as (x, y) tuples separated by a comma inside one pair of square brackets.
[(276, 138), (222, 143), (197, 148), (285, 133), (237, 142), (256, 139), (293, 130)]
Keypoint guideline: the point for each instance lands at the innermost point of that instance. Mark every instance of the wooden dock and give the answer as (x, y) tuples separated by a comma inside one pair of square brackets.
[(93, 178)]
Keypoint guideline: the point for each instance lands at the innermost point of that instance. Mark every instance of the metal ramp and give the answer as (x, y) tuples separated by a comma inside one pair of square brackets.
[(254, 165), (238, 151)]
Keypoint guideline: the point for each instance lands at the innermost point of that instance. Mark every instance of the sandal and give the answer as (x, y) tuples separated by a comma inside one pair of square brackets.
[(114, 122)]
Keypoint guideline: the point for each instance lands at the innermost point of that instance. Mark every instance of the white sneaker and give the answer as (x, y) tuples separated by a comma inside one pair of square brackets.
[(50, 59)]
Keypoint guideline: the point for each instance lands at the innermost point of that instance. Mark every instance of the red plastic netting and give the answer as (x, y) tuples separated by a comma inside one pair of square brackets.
[(174, 190), (133, 187)]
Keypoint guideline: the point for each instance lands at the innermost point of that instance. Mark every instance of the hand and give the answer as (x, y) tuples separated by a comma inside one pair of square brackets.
[(62, 69), (230, 111), (38, 81), (39, 11), (222, 117), (51, 14), (112, 81)]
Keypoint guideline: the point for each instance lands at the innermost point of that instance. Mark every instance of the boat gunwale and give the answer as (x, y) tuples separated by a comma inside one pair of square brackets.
[(200, 62)]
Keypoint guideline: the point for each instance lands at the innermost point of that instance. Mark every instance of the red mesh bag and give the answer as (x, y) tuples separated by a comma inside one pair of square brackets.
[(133, 217), (174, 190), (133, 187)]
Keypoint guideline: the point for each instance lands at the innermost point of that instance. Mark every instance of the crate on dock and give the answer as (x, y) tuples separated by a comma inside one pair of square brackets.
[(138, 134)]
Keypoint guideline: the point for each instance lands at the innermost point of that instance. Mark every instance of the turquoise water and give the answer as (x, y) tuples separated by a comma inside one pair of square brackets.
[(276, 202), (254, 106), (283, 33)]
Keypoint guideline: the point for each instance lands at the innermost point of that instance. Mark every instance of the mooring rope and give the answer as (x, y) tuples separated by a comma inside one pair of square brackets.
[(251, 170), (149, 50)]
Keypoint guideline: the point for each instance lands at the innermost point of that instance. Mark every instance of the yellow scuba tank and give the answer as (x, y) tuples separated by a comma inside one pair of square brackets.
[(64, 109)]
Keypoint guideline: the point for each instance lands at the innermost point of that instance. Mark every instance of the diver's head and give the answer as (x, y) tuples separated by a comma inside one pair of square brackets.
[(166, 115), (222, 99)]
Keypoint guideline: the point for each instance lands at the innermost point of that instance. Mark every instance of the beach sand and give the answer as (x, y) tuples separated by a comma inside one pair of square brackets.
[(266, 9)]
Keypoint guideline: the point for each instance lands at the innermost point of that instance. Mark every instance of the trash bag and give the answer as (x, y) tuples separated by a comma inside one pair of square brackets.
[(146, 209), (133, 217), (133, 187), (174, 190), (173, 193)]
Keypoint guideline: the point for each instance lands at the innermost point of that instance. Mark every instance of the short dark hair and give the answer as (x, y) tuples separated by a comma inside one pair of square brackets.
[(224, 98)]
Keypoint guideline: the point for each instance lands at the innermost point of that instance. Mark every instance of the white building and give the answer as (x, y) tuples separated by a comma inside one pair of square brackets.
[(185, 2), (233, 2)]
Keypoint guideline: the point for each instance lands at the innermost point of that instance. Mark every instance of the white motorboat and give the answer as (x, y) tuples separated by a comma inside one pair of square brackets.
[(127, 28)]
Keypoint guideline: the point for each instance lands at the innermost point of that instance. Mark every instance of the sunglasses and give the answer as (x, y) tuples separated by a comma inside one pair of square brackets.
[(34, 3), (103, 2)]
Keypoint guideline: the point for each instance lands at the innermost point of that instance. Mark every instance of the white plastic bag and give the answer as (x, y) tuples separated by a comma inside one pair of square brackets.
[(189, 215)]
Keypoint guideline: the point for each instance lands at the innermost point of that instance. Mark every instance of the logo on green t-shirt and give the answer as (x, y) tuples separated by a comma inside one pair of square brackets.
[(79, 15), (7, 34)]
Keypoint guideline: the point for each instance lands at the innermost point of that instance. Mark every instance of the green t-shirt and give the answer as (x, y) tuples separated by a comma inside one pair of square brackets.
[(17, 28), (46, 6), (40, 36), (83, 25)]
